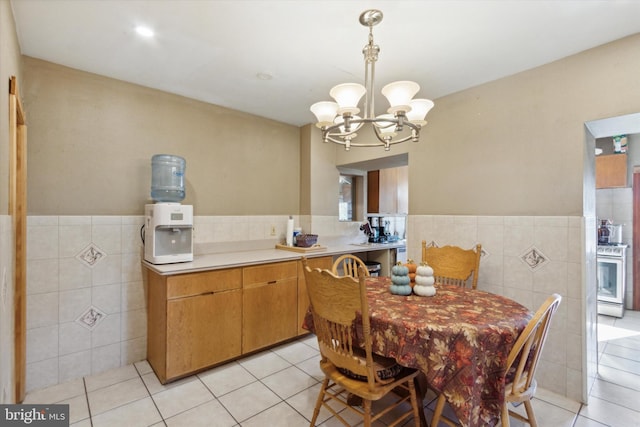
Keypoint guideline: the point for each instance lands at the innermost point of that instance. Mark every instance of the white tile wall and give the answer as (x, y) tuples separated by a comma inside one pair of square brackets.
[(6, 313), (505, 240), (61, 287)]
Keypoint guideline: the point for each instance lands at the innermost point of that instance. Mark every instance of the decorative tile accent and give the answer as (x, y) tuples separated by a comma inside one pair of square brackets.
[(91, 317), (534, 258), (91, 255)]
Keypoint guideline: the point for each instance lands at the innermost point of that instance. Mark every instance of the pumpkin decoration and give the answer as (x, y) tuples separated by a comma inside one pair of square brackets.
[(412, 266), (400, 281), (424, 281)]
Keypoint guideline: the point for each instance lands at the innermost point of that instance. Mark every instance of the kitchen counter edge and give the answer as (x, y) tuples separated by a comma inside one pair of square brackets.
[(217, 261)]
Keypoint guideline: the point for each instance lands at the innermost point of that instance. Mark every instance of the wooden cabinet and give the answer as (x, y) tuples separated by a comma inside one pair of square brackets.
[(194, 321), (303, 296), (611, 170), (373, 191), (388, 190), (269, 304), (198, 320)]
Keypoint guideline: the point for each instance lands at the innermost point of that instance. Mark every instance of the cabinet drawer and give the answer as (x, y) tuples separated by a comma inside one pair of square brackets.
[(269, 273), (185, 285)]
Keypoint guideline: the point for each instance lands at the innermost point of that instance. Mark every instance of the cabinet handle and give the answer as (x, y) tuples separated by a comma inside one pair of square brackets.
[(272, 282)]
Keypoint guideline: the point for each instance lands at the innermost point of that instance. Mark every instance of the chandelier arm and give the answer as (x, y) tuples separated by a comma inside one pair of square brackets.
[(378, 134), (382, 143), (388, 141), (379, 144), (329, 131)]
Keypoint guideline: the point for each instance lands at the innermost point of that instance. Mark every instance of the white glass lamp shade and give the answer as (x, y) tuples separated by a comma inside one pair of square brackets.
[(325, 112), (399, 95), (348, 95), (419, 110), (386, 125)]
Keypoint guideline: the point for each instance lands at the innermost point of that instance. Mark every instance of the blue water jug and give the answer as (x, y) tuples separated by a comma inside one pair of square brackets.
[(167, 178)]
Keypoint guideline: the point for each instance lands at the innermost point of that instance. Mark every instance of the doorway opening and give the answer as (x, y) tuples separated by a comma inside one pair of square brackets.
[(611, 335)]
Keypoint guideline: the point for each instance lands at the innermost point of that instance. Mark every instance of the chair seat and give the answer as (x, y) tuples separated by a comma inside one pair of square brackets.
[(361, 388), (384, 367), (522, 396)]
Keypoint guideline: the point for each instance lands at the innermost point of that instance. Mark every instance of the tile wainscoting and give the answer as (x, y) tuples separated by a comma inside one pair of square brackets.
[(85, 296), (526, 259), (86, 305), (85, 293), (6, 312)]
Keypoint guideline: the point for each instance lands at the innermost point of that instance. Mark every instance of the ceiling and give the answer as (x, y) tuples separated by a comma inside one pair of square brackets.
[(274, 58)]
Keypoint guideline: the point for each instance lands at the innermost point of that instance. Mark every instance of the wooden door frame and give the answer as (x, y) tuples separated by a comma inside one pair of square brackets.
[(18, 212)]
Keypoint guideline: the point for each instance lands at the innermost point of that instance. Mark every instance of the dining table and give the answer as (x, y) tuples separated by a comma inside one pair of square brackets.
[(459, 338)]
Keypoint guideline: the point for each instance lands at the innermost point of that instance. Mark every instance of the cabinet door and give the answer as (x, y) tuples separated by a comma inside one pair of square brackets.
[(270, 313), (303, 296), (203, 330), (388, 190), (611, 171)]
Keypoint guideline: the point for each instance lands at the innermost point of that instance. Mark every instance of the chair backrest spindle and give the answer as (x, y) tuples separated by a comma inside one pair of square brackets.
[(349, 265), (453, 265)]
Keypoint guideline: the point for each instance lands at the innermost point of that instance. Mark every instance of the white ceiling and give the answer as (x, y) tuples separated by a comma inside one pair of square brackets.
[(213, 50)]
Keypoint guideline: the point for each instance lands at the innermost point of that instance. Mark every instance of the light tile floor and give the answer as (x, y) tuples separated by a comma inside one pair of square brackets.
[(278, 387)]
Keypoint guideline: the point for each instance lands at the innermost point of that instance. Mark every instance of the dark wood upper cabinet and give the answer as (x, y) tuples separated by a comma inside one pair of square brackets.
[(373, 191)]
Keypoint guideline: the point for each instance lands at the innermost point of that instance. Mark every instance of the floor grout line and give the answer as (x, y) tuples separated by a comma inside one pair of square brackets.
[(628, 356)]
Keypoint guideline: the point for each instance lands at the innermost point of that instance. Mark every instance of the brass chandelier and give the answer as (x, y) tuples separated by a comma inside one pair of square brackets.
[(339, 120)]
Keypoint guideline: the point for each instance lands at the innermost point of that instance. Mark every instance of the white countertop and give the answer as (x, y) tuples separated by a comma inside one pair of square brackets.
[(239, 258)]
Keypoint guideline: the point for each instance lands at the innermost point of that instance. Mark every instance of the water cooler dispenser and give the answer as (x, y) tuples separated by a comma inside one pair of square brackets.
[(168, 233)]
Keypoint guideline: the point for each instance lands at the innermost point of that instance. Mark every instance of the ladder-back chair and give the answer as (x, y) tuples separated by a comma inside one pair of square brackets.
[(351, 369), (521, 368), (349, 265), (453, 265)]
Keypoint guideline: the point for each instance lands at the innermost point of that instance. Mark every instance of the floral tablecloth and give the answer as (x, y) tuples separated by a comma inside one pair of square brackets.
[(460, 338)]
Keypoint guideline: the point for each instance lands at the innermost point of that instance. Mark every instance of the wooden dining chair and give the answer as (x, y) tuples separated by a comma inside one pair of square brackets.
[(521, 368), (351, 369), (452, 264), (523, 360), (349, 265)]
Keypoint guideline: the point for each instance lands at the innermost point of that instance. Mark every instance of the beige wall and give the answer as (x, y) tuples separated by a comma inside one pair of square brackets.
[(91, 140), (515, 146), (9, 66), (321, 172), (510, 147)]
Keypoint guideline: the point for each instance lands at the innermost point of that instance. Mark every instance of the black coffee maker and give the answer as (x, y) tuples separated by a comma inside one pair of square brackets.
[(377, 229)]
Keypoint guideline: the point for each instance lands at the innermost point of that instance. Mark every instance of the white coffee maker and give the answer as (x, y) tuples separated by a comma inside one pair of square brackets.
[(168, 233)]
